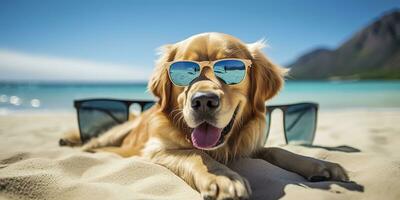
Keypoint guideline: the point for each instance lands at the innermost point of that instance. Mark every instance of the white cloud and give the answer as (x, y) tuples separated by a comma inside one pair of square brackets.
[(17, 66)]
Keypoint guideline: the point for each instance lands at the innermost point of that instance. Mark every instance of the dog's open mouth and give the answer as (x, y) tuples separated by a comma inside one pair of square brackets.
[(207, 136)]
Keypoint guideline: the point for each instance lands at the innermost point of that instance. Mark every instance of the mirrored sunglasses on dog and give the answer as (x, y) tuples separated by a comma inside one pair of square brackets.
[(231, 71), (96, 116)]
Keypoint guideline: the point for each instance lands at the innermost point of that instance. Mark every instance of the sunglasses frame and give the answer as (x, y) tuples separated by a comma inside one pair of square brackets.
[(283, 108), (202, 64), (142, 103)]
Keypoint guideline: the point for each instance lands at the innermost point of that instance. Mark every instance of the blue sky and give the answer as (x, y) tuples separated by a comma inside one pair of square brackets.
[(124, 34)]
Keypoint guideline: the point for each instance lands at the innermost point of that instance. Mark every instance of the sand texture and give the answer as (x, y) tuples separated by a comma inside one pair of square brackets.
[(32, 165)]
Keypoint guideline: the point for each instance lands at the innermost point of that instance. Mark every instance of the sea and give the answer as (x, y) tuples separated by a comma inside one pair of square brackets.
[(36, 97)]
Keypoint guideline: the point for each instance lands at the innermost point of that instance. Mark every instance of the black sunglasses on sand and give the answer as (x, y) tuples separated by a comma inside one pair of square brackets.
[(96, 116)]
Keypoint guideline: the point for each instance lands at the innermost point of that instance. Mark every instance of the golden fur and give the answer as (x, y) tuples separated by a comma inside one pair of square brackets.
[(162, 133)]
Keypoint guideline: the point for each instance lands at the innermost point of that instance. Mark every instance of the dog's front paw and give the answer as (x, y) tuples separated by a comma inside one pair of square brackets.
[(91, 145), (70, 138), (231, 186), (323, 171)]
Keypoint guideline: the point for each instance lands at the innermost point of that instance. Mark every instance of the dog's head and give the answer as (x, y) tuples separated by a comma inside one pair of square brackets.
[(208, 110)]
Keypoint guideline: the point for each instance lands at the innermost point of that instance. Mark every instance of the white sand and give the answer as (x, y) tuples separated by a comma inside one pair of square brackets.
[(32, 166)]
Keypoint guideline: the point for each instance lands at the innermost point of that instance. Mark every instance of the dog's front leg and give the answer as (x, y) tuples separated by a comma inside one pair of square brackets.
[(310, 168), (211, 178)]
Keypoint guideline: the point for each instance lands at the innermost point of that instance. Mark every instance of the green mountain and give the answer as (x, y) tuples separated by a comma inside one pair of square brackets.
[(372, 53)]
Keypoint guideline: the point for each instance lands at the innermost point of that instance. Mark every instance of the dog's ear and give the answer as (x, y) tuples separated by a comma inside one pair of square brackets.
[(159, 83), (267, 78)]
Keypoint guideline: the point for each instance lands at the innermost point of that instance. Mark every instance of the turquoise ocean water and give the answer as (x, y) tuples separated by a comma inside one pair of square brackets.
[(330, 95)]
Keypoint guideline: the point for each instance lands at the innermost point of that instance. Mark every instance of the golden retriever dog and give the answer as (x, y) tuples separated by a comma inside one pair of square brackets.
[(195, 130)]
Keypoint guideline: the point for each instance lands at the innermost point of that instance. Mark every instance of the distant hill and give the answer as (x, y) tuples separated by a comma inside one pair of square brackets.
[(372, 53)]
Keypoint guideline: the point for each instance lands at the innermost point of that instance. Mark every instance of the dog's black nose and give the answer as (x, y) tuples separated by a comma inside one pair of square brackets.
[(205, 101)]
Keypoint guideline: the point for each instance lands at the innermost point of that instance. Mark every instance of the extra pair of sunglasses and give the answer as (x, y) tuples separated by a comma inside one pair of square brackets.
[(231, 71), (299, 121), (96, 116)]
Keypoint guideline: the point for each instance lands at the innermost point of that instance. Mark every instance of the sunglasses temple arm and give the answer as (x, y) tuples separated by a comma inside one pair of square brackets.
[(106, 112)]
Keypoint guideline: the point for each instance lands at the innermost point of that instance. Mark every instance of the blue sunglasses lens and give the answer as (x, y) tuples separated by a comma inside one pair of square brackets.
[(268, 125), (230, 71), (300, 123), (96, 117), (184, 72), (147, 106)]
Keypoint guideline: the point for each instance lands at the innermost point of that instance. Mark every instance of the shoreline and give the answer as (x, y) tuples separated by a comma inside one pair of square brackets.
[(6, 111)]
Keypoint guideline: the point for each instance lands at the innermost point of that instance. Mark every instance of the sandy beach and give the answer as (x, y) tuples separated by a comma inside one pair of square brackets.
[(32, 165)]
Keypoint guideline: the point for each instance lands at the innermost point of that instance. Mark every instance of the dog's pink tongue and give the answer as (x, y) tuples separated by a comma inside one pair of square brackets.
[(205, 136)]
